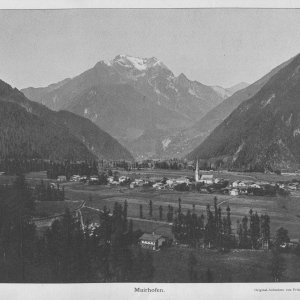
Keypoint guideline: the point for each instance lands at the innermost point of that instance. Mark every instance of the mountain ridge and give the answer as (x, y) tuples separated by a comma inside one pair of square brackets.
[(52, 125), (263, 131), (145, 88)]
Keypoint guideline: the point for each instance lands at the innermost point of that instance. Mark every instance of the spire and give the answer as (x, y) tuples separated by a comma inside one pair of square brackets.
[(197, 171)]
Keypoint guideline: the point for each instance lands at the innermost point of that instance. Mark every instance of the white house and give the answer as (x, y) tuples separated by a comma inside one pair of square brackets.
[(235, 183), (234, 192), (207, 179), (132, 185), (182, 180), (110, 179), (61, 178), (123, 178), (75, 178), (94, 178), (170, 182), (151, 241), (255, 186)]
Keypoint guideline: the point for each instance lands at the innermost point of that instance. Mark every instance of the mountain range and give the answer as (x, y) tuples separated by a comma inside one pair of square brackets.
[(186, 140), (30, 130), (139, 101), (263, 132)]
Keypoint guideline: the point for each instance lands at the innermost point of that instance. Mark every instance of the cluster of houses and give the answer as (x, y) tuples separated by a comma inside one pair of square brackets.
[(202, 182), (116, 181)]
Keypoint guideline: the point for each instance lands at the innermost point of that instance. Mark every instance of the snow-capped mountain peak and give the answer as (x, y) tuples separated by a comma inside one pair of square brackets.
[(138, 63)]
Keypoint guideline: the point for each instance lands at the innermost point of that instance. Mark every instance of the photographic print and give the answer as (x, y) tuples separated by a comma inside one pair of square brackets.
[(150, 145)]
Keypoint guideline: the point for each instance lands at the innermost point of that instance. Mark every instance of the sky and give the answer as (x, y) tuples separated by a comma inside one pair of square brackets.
[(213, 46)]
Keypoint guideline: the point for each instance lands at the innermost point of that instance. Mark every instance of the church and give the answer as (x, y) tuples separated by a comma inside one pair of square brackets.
[(207, 179)]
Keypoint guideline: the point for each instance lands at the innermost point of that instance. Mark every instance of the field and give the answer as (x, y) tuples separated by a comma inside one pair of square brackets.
[(283, 211), (171, 265)]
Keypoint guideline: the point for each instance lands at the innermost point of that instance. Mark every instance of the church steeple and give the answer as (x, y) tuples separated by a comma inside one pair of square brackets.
[(197, 171)]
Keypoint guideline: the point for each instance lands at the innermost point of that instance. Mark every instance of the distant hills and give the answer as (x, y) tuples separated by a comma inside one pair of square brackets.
[(139, 101), (263, 132), (30, 130)]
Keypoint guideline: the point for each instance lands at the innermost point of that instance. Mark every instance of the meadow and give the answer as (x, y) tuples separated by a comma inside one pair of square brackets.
[(171, 265), (283, 211)]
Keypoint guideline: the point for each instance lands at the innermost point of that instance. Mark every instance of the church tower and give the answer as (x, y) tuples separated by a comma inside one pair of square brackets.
[(197, 171)]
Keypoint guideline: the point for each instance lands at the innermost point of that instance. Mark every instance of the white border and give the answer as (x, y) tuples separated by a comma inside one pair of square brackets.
[(58, 4), (120, 291)]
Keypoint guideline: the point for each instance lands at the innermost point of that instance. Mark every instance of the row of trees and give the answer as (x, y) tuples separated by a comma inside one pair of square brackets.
[(190, 228), (15, 166), (54, 169), (68, 169), (253, 231)]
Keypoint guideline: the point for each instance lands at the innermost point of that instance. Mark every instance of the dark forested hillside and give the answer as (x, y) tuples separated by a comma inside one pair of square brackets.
[(263, 132), (98, 141), (188, 139), (24, 135), (31, 130)]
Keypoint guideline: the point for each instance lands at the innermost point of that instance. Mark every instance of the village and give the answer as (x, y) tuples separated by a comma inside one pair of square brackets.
[(203, 181)]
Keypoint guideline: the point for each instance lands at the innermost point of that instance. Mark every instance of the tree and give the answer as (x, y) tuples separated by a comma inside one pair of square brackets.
[(209, 236), (254, 229), (239, 232), (265, 228), (244, 233), (179, 206), (228, 228), (102, 178), (281, 237), (227, 237), (150, 208), (160, 212), (170, 213)]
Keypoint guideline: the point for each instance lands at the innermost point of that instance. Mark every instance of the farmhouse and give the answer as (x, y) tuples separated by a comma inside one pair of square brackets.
[(207, 179), (236, 183), (182, 180), (94, 178), (61, 178), (234, 192), (171, 182), (75, 178), (123, 179), (151, 241)]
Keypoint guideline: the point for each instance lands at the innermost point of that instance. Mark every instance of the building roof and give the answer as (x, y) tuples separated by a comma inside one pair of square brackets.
[(151, 237), (207, 176)]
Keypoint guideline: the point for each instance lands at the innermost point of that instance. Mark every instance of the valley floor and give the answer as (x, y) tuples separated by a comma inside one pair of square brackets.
[(171, 264)]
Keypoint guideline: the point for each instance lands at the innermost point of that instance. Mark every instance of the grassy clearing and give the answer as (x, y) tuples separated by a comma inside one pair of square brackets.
[(50, 208), (171, 265)]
